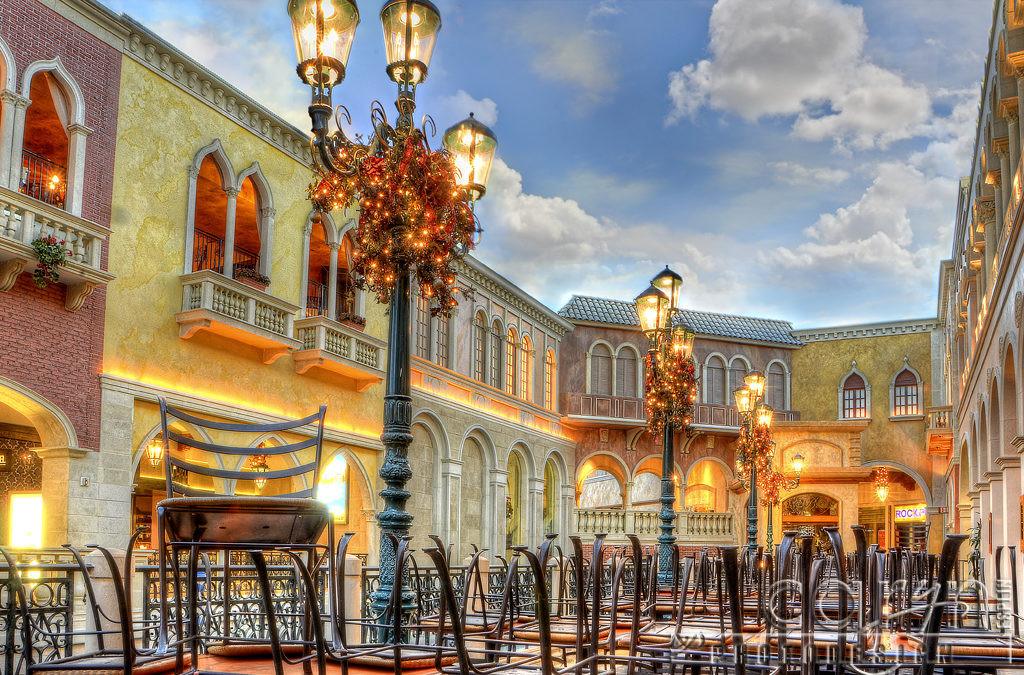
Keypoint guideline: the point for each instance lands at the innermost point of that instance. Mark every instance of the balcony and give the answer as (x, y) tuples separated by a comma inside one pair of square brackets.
[(940, 430), (212, 303), (24, 219), (690, 527), (609, 411), (336, 348)]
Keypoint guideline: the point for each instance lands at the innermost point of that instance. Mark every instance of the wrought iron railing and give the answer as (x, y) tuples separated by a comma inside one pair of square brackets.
[(208, 254), (43, 179), (316, 299)]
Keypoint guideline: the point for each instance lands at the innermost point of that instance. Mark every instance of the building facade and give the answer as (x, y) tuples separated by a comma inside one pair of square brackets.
[(981, 303)]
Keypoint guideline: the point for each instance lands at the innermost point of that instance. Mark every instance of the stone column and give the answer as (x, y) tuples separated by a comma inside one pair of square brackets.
[(63, 496), (190, 228), (985, 499), (499, 488), (353, 596), (1006, 172), (1010, 507), (19, 104), (77, 133), (567, 514), (1014, 132), (451, 505), (1020, 101), (267, 216), (307, 234), (8, 111), (372, 536), (535, 506), (229, 232), (992, 230), (332, 282)]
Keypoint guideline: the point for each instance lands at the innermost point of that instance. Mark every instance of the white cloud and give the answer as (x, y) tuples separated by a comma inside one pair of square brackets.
[(798, 174), (458, 106), (765, 63)]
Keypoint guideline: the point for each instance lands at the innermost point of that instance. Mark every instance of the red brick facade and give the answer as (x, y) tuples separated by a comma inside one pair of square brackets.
[(56, 353)]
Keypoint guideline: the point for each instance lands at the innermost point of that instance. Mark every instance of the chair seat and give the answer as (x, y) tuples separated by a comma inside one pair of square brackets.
[(243, 521), (112, 665)]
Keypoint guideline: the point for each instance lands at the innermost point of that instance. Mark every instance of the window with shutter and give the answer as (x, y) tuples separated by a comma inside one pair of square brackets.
[(601, 370), (549, 380), (511, 360), (625, 373), (497, 350), (422, 327), (479, 348), (737, 372), (715, 381), (526, 369), (775, 387), (442, 341)]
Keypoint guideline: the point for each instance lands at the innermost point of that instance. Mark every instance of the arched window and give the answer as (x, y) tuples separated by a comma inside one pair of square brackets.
[(328, 276), (511, 360), (480, 348), (737, 371), (855, 401), (526, 369), (714, 380), (441, 344), (46, 145), (422, 324), (210, 215), (549, 380), (495, 352), (775, 387), (601, 369), (246, 261), (626, 373), (905, 394), (332, 488)]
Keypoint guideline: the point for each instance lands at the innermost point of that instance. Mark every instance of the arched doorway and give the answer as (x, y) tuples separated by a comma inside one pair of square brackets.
[(892, 508), (810, 512), (706, 488), (514, 504)]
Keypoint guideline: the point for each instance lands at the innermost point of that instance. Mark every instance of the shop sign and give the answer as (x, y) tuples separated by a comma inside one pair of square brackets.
[(911, 512), (6, 458)]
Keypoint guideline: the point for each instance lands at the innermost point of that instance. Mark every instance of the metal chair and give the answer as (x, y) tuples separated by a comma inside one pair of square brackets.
[(193, 521)]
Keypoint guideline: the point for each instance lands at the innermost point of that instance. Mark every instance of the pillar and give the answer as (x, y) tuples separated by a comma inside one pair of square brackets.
[(19, 105), (1006, 173), (1011, 500), (229, 232), (267, 216), (332, 282), (498, 485), (992, 231), (353, 597), (77, 133), (63, 523), (985, 499), (535, 505), (451, 505), (1014, 132), (8, 111), (307, 234)]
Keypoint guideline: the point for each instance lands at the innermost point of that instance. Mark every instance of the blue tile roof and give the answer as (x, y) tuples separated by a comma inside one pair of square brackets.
[(619, 312)]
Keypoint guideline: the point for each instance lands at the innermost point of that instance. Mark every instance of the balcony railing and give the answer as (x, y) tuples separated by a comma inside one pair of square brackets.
[(690, 526), (42, 179), (335, 347), (211, 302), (940, 430), (208, 254), (23, 220), (604, 407)]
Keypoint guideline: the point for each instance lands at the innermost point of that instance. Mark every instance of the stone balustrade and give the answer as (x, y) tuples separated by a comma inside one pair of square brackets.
[(334, 347), (24, 219), (690, 527)]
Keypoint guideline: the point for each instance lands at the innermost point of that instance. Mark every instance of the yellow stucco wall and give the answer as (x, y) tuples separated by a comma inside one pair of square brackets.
[(160, 128), (820, 367)]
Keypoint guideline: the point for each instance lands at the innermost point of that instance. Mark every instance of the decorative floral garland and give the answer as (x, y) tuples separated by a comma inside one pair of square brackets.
[(671, 393), (412, 214), (755, 447), (51, 254)]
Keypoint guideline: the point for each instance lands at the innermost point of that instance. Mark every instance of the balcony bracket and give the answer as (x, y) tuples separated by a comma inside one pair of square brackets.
[(76, 295), (10, 270)]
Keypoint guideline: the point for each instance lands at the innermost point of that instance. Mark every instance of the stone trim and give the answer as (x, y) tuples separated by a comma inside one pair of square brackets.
[(500, 288), (867, 330)]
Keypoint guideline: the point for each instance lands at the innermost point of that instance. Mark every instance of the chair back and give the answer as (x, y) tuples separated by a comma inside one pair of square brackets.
[(227, 462)]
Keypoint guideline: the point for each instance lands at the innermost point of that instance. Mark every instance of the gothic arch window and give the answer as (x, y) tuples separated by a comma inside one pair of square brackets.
[(775, 386), (526, 369), (511, 360), (49, 148), (714, 380), (626, 372), (549, 379), (600, 369), (480, 347), (330, 291), (906, 393), (854, 396)]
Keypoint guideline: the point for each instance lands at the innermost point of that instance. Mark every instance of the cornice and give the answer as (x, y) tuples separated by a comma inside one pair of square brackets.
[(867, 330), (150, 50), (482, 276)]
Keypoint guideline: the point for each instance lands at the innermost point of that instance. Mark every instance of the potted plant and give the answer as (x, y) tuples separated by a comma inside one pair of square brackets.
[(51, 255), (248, 275), (353, 319)]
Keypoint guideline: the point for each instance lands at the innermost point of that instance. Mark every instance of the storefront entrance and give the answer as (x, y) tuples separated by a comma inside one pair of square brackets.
[(809, 514)]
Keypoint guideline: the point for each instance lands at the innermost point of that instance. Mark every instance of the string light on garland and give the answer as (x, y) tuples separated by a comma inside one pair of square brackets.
[(671, 392)]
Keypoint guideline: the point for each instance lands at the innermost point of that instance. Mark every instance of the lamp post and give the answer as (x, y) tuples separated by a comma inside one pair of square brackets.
[(670, 389), (415, 205), (777, 482), (755, 439)]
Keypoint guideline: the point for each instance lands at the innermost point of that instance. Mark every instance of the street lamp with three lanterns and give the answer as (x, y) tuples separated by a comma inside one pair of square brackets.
[(416, 205), (670, 391)]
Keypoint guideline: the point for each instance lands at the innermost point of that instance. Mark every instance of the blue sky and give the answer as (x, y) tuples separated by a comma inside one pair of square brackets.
[(792, 159)]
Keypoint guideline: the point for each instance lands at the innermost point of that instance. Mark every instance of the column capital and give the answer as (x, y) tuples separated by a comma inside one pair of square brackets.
[(334, 245), (60, 453), (18, 100), (232, 192), (193, 172), (79, 129), (268, 212)]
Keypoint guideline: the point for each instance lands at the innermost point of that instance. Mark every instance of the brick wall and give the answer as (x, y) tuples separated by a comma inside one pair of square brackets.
[(56, 353)]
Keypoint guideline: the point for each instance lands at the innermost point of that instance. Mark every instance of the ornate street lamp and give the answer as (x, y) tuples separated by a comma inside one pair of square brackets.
[(774, 484), (756, 449), (670, 389), (415, 205)]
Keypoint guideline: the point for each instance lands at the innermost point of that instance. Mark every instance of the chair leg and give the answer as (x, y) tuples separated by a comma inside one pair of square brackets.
[(313, 618), (263, 579), (193, 609)]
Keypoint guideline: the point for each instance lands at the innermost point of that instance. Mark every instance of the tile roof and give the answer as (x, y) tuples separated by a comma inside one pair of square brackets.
[(603, 310)]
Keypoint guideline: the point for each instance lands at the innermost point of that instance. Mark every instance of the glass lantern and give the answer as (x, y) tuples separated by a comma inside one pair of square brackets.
[(410, 31)]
